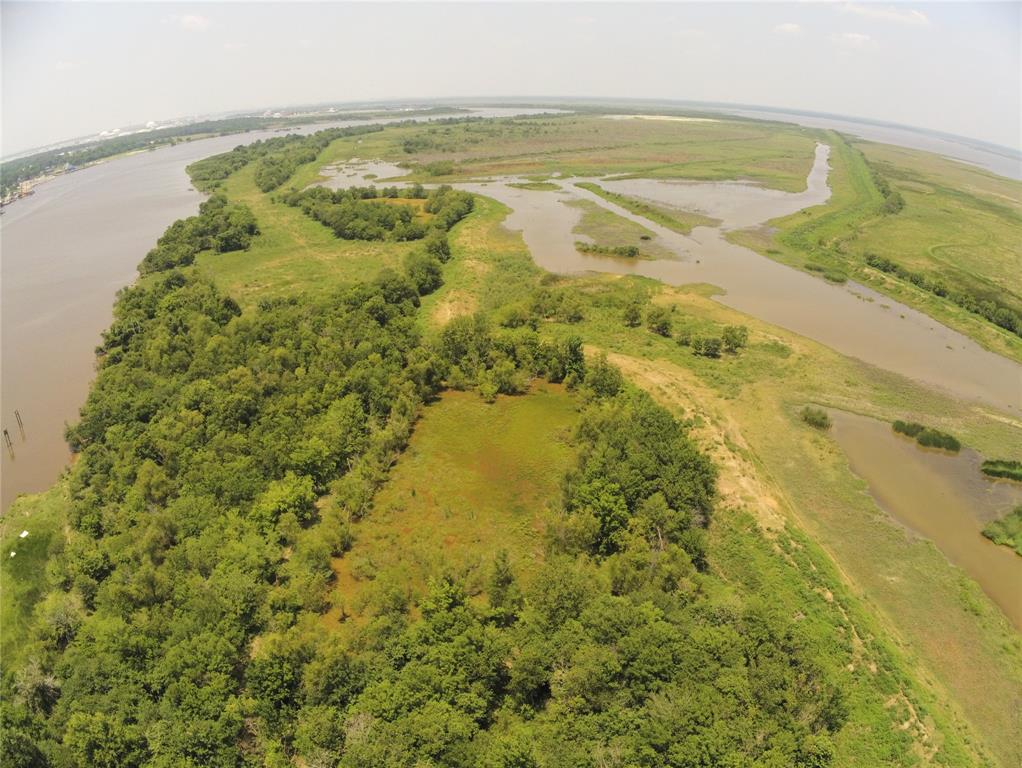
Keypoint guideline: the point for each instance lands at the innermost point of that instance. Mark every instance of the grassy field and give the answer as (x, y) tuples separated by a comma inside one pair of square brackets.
[(585, 145), (476, 478), (932, 669), (23, 576), (676, 219), (293, 252), (607, 229)]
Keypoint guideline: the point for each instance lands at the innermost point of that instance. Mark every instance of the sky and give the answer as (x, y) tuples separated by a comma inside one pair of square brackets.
[(75, 69)]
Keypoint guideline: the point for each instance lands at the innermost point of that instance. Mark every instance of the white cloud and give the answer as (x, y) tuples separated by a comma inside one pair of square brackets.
[(852, 39), (788, 28), (231, 45), (887, 13), (191, 22), (66, 66)]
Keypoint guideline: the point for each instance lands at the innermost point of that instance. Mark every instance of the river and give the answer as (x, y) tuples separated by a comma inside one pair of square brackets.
[(942, 497)]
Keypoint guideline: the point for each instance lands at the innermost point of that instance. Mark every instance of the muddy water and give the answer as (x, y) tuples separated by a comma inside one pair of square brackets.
[(943, 498), (735, 204), (67, 249)]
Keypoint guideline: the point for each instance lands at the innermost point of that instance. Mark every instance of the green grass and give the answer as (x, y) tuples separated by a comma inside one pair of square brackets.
[(608, 230), (293, 253), (23, 577), (776, 155), (476, 478), (489, 267), (537, 186), (678, 220), (1007, 530)]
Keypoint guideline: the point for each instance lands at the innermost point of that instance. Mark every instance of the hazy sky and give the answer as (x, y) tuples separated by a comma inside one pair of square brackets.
[(74, 69)]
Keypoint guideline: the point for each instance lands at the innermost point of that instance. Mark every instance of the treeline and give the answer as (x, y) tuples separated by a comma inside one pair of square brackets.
[(275, 156), (893, 201), (927, 436), (358, 213), (14, 172), (996, 313), (219, 226), (203, 446), (660, 320)]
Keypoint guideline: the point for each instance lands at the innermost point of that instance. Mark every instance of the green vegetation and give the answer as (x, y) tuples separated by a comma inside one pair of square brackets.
[(927, 436), (678, 220), (625, 251), (1007, 530), (293, 541), (593, 145), (996, 313), (815, 417), (220, 227), (275, 159), (1006, 468), (614, 235), (536, 186)]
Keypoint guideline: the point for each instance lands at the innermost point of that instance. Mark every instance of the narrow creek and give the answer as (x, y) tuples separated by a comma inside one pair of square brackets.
[(941, 497)]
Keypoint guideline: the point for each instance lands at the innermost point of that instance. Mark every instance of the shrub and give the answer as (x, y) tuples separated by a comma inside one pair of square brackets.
[(927, 436), (815, 417), (658, 320), (1009, 469)]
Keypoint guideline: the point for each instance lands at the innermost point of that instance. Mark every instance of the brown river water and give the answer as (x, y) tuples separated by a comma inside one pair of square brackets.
[(941, 497)]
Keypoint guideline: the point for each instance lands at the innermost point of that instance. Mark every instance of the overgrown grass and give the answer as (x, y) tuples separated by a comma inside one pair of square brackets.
[(23, 575), (678, 220), (608, 230), (475, 479), (1007, 530)]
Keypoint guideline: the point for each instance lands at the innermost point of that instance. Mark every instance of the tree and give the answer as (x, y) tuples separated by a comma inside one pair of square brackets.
[(633, 314), (436, 245), (658, 320), (424, 270), (734, 338), (604, 379)]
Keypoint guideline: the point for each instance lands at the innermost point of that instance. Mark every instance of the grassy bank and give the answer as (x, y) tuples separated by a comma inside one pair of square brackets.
[(678, 220)]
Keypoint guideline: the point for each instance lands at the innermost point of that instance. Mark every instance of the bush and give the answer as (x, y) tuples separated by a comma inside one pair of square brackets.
[(658, 320), (815, 417), (926, 436), (734, 338), (707, 346), (1009, 469)]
